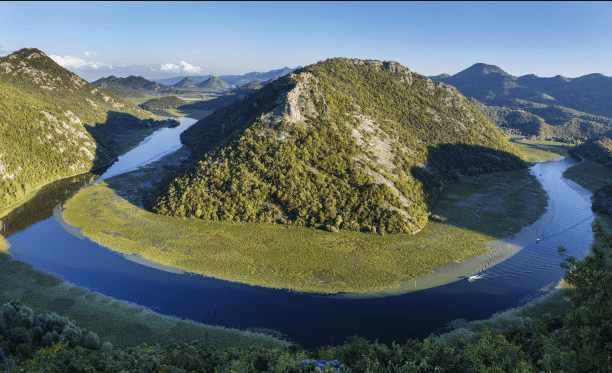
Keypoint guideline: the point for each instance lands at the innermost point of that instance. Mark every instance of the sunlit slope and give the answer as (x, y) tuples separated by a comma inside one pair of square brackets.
[(54, 124), (341, 144)]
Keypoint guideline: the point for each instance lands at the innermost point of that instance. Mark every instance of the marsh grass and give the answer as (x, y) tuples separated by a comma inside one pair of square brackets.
[(495, 204), (539, 153), (119, 322), (304, 259)]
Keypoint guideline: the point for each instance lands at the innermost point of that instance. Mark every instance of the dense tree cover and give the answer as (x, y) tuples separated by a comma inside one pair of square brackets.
[(342, 144), (558, 108), (579, 340), (598, 150), (546, 122), (54, 124)]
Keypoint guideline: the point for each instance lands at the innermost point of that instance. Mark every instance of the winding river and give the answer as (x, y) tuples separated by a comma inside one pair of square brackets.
[(311, 320)]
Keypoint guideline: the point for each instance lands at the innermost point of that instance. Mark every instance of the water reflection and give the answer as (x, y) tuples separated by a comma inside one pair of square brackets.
[(41, 205)]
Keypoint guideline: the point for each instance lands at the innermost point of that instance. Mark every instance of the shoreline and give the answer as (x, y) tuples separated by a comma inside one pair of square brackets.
[(500, 250)]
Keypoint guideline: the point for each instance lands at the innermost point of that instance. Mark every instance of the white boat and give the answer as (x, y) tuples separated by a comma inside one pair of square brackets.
[(475, 277)]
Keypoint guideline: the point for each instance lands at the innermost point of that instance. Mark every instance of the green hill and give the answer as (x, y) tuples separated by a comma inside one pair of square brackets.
[(53, 124), (341, 144), (132, 86), (214, 84)]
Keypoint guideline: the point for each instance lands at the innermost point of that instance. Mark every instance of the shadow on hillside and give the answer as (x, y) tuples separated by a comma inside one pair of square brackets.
[(112, 136), (460, 163), (40, 207)]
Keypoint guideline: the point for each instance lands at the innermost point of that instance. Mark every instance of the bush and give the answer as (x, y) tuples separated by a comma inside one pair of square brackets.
[(91, 341)]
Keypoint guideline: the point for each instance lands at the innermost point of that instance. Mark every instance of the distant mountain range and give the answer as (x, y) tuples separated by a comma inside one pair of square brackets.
[(132, 86), (235, 80), (560, 108), (137, 86)]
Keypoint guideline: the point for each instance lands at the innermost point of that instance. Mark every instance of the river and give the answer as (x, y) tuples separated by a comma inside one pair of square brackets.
[(311, 320)]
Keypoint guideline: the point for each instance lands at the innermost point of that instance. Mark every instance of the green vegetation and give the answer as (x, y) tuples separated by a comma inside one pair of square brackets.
[(54, 124), (539, 150), (303, 259), (540, 108), (355, 145), (270, 255), (589, 174)]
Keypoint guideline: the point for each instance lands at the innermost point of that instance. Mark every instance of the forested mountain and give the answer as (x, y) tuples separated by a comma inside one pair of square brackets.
[(132, 86), (341, 144), (54, 124), (560, 108)]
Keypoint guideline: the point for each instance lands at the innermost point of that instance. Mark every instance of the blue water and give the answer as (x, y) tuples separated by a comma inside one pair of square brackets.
[(315, 320)]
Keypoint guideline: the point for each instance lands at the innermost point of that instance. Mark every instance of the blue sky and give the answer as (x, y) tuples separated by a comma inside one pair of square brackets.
[(165, 39)]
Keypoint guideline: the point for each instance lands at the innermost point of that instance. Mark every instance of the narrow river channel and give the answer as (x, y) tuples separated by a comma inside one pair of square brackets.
[(311, 320)]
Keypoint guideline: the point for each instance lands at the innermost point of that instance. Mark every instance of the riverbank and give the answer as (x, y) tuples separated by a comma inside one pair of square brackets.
[(126, 142), (302, 259), (119, 322)]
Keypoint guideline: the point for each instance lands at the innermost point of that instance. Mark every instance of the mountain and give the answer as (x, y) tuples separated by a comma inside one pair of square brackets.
[(341, 144), (132, 86), (235, 80), (566, 109), (238, 80), (54, 124), (186, 83), (214, 84)]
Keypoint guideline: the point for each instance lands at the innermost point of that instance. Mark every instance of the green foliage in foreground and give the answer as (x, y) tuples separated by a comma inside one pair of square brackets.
[(579, 339), (344, 144)]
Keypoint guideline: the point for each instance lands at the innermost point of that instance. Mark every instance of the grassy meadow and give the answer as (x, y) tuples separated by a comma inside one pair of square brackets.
[(311, 260)]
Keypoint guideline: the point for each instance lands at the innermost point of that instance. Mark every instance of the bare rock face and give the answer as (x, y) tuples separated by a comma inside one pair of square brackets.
[(299, 102)]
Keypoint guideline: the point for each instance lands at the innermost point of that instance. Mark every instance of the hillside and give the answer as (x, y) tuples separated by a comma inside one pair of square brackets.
[(557, 108), (186, 83), (214, 84), (54, 124), (132, 86), (341, 144)]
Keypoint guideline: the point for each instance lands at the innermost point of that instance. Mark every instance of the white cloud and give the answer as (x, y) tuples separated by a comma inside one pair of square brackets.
[(181, 67), (90, 54), (170, 67), (189, 68), (76, 62)]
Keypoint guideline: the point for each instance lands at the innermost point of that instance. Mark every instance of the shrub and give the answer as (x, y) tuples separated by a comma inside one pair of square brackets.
[(91, 341)]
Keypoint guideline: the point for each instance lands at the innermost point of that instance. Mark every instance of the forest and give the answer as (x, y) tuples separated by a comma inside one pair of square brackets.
[(321, 167)]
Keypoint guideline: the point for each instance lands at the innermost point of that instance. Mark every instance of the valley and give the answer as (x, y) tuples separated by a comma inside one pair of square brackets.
[(483, 217)]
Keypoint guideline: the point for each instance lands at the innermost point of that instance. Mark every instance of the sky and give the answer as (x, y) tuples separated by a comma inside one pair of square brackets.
[(167, 39)]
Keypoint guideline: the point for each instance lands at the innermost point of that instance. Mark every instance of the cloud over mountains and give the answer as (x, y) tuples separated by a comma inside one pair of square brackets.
[(182, 67), (76, 62)]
